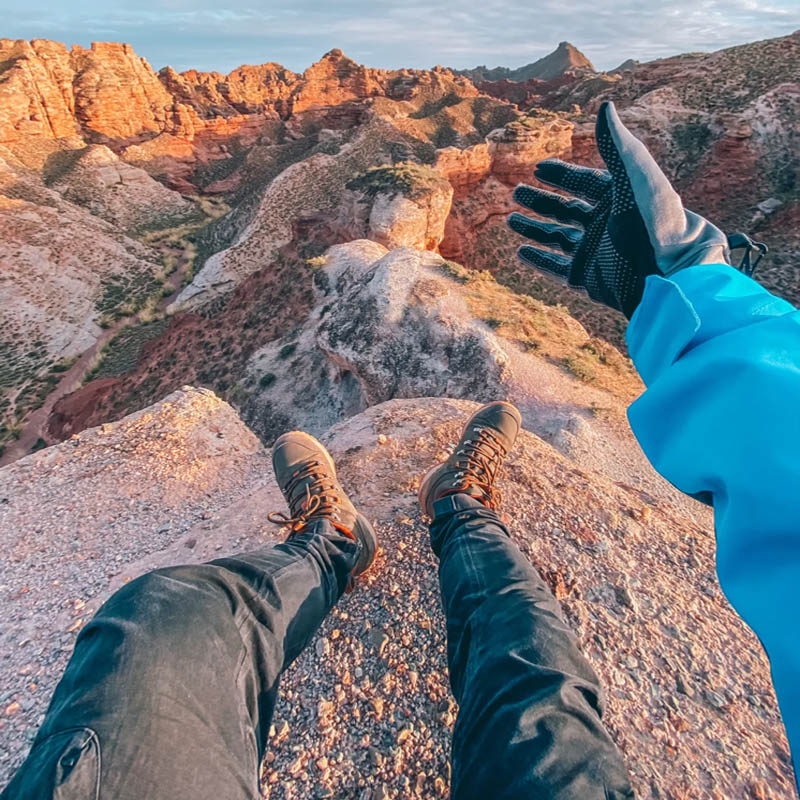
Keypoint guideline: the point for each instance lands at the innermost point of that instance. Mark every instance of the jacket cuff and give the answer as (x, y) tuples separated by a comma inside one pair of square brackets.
[(690, 307)]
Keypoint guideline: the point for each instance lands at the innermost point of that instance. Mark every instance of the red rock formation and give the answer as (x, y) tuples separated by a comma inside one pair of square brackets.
[(466, 168), (36, 97), (517, 147), (107, 93), (246, 90), (170, 123), (74, 412), (118, 97), (484, 176), (334, 79)]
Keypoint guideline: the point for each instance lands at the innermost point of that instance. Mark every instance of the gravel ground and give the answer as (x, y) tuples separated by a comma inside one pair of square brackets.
[(366, 712)]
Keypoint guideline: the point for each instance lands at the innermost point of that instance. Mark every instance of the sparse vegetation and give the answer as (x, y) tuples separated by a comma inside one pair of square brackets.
[(64, 364), (580, 367), (121, 354), (407, 178), (548, 330), (435, 106), (691, 138), (287, 350)]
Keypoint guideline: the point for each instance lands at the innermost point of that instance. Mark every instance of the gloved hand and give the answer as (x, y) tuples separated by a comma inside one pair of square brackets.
[(637, 225)]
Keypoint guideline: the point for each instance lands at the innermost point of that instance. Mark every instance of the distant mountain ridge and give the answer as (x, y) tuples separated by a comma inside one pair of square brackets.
[(565, 58)]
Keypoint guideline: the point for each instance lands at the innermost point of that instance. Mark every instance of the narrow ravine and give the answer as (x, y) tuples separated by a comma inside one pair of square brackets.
[(36, 423)]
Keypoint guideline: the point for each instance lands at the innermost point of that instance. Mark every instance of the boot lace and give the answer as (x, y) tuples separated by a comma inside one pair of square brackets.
[(482, 455), (320, 498)]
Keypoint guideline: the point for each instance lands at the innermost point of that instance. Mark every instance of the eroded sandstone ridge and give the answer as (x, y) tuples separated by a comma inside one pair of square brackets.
[(366, 711), (216, 197)]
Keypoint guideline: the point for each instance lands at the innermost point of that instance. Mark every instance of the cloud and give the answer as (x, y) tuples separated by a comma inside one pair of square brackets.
[(203, 34)]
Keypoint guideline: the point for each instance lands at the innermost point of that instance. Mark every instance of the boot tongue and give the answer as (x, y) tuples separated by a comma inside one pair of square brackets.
[(329, 488)]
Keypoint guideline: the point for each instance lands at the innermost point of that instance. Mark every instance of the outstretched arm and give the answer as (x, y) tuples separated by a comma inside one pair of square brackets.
[(721, 419), (720, 356)]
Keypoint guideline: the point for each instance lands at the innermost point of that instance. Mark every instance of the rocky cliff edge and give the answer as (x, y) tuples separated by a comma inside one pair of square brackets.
[(366, 711)]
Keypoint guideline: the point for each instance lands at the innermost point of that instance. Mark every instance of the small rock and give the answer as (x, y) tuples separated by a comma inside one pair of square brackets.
[(378, 638), (377, 706), (769, 205), (626, 598), (714, 699), (404, 735), (280, 728), (12, 708), (758, 790)]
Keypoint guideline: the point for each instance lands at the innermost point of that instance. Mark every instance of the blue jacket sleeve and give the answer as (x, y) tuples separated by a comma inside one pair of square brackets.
[(720, 418)]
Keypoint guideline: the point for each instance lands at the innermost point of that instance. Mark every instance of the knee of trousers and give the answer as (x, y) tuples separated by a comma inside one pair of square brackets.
[(176, 612)]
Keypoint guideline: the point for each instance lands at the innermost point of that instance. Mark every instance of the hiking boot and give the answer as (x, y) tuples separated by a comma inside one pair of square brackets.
[(472, 468), (306, 475)]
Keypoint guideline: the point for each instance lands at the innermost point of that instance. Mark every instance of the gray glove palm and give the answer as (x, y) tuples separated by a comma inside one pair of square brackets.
[(633, 225)]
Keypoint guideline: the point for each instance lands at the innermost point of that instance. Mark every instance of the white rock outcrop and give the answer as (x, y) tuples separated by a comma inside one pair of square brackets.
[(385, 324)]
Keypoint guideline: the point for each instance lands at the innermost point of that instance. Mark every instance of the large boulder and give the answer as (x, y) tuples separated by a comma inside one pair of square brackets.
[(401, 205), (385, 324)]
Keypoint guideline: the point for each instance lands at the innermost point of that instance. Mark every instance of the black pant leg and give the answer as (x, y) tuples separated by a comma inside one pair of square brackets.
[(170, 690), (529, 722)]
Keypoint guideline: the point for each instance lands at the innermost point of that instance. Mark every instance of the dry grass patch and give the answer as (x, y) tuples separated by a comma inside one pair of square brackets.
[(548, 331)]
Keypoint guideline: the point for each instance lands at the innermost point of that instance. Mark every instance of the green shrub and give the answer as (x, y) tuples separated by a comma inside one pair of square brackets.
[(266, 380), (287, 350), (406, 178), (317, 262), (579, 367)]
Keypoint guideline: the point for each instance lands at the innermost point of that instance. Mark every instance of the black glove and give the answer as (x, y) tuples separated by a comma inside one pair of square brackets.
[(637, 225)]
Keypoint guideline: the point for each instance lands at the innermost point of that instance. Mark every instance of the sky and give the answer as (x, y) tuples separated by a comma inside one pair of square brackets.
[(220, 35)]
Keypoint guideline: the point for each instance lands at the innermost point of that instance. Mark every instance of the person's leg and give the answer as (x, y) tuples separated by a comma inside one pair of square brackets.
[(171, 687), (530, 703)]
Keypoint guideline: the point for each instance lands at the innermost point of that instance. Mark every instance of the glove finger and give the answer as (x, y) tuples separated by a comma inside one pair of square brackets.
[(586, 182), (547, 262), (632, 168), (550, 204), (670, 236), (561, 236)]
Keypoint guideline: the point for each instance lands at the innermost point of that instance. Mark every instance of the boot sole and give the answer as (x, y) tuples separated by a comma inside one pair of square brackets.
[(429, 476), (364, 533)]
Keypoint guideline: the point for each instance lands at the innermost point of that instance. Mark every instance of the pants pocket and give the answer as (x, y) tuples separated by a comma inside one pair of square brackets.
[(64, 766)]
